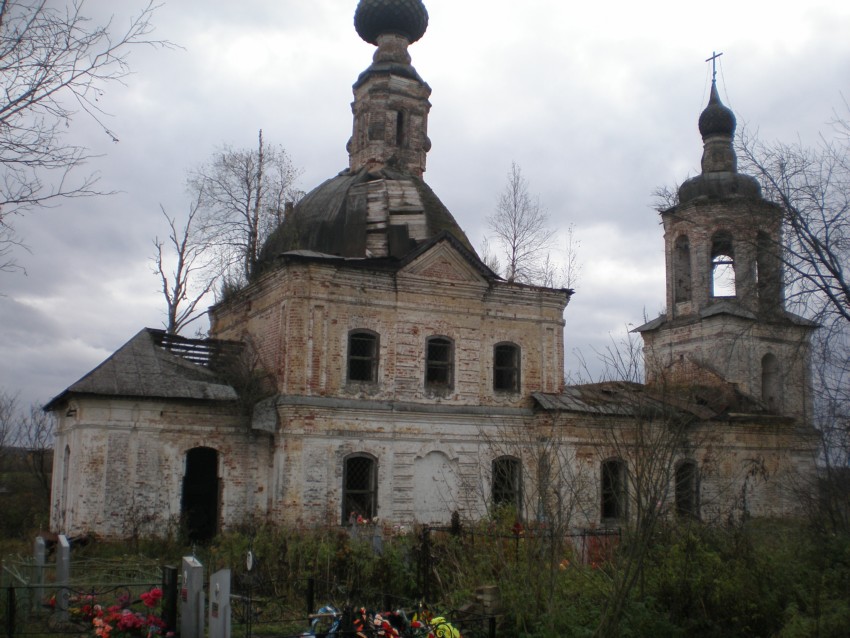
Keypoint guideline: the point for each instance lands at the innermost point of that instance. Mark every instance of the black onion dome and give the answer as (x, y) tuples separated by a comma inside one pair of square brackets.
[(404, 17), (716, 119)]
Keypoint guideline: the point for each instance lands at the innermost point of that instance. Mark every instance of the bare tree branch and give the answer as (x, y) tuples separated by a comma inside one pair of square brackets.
[(187, 268), (55, 62), (243, 194), (8, 422), (812, 187)]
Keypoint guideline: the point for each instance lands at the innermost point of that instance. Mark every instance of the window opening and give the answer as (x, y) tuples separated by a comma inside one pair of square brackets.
[(507, 483), (687, 494), (506, 358), (722, 266), (363, 356), (438, 367), (682, 270), (359, 488), (613, 490)]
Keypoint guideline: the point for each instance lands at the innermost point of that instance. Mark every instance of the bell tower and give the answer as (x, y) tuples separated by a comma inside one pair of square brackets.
[(725, 319)]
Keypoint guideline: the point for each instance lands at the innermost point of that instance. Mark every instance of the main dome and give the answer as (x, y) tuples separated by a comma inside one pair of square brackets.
[(408, 18)]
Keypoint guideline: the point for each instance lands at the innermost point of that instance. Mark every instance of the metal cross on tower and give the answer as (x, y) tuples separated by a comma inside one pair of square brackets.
[(713, 60)]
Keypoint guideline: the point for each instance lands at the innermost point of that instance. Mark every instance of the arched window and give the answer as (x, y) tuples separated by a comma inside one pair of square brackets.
[(359, 487), (362, 356), (687, 489), (722, 266), (507, 482), (439, 363), (506, 360), (681, 269), (771, 383), (614, 491)]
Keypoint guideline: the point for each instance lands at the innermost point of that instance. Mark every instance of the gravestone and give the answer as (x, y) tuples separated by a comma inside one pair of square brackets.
[(220, 604), (63, 576), (39, 558), (192, 599)]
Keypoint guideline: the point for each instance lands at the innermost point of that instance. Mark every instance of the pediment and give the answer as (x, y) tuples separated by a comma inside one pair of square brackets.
[(443, 262)]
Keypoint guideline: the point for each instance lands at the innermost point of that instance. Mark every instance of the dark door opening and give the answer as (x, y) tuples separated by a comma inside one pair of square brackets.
[(199, 507)]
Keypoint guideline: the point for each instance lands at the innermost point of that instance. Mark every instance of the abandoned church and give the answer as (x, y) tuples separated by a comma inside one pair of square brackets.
[(375, 367)]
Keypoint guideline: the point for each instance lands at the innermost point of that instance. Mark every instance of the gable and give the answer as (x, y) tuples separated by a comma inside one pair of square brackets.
[(442, 261)]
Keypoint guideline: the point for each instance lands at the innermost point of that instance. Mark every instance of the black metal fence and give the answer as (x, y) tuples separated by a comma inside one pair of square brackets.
[(64, 610)]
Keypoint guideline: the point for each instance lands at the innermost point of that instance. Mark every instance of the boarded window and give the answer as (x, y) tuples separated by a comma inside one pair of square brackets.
[(613, 491), (362, 356), (507, 482), (439, 363), (506, 358), (687, 489), (360, 487)]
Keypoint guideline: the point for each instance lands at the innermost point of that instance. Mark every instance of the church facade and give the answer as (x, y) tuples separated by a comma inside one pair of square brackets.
[(375, 367)]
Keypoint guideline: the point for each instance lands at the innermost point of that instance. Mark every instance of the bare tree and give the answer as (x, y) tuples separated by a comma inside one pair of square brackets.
[(36, 438), (186, 266), (243, 194), (8, 422), (54, 62), (567, 273), (811, 184), (520, 225)]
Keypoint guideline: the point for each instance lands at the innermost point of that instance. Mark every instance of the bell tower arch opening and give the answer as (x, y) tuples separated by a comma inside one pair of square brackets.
[(722, 265)]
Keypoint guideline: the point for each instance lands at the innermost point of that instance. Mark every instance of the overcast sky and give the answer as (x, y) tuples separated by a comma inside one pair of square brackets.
[(596, 102)]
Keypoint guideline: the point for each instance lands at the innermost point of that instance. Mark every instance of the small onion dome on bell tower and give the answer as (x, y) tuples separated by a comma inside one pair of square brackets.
[(407, 18), (719, 177), (717, 118)]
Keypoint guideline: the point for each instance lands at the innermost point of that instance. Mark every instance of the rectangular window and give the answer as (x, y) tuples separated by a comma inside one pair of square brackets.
[(507, 483), (506, 367), (687, 494), (359, 488), (363, 356), (614, 493), (439, 363)]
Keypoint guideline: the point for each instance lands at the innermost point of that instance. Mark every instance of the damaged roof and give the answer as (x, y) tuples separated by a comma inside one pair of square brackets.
[(154, 364), (627, 399)]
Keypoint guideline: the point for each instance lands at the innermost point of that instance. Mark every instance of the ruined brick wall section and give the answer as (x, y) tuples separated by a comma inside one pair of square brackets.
[(299, 319), (316, 442), (757, 468), (126, 465), (735, 348)]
